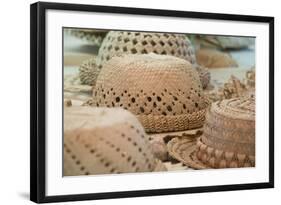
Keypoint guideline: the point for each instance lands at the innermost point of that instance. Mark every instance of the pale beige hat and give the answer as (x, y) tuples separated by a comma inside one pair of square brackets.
[(228, 140), (118, 43), (164, 92), (104, 141)]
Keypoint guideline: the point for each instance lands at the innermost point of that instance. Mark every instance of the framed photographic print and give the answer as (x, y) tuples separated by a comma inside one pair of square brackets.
[(129, 102)]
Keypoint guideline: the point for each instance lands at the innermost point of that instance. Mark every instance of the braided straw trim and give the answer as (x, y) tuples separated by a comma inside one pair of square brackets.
[(216, 158), (197, 155), (159, 123)]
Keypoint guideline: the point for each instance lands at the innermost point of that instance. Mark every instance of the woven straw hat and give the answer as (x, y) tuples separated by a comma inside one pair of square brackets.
[(97, 143), (164, 92), (118, 43), (228, 140)]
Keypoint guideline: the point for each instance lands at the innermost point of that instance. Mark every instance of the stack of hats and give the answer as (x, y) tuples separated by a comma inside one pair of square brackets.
[(228, 140), (97, 143), (118, 43), (164, 92)]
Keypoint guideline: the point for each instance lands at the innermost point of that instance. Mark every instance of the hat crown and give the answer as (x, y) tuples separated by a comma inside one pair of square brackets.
[(230, 126), (150, 84), (121, 42)]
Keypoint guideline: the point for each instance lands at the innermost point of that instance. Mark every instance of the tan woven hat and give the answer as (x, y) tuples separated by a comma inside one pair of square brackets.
[(164, 92), (103, 141), (228, 140), (118, 43)]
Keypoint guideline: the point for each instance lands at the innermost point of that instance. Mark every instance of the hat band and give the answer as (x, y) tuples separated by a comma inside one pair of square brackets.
[(222, 159), (162, 123)]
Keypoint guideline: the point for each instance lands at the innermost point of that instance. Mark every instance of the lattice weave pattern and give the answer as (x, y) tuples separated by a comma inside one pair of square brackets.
[(119, 42)]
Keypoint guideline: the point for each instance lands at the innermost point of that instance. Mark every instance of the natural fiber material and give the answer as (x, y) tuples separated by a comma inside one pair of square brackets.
[(103, 141), (88, 72), (228, 140), (164, 92), (118, 43), (94, 37), (204, 75), (183, 149), (234, 88)]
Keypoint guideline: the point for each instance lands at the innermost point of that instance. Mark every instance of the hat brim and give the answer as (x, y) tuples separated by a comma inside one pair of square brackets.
[(184, 150), (170, 123)]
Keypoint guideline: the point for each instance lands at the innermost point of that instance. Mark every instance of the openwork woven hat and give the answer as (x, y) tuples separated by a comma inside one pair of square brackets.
[(118, 43), (164, 92), (228, 140), (102, 141)]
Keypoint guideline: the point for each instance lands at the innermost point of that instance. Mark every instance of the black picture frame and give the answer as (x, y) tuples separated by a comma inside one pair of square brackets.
[(38, 101)]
